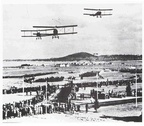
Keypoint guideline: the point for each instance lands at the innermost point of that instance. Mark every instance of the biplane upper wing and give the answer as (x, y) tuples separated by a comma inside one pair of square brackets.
[(43, 26), (65, 26), (98, 9)]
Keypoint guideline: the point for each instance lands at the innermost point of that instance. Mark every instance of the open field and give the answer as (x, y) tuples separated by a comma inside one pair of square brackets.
[(38, 67), (109, 71), (104, 68)]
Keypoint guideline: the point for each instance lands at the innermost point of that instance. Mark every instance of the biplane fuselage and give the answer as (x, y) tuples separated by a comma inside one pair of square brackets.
[(44, 31), (55, 32), (99, 12)]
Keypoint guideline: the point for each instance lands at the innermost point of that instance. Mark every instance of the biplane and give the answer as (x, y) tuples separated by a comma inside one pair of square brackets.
[(99, 13), (44, 31)]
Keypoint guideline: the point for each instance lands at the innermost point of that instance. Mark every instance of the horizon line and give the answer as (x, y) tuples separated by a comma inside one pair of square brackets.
[(65, 56)]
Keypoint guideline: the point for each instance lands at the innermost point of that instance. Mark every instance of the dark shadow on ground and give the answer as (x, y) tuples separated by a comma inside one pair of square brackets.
[(126, 119)]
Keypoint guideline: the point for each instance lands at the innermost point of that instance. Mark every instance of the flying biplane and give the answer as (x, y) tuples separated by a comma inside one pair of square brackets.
[(43, 31), (100, 12)]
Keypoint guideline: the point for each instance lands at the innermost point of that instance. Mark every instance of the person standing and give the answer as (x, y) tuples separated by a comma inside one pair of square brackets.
[(86, 107), (96, 104), (128, 90), (78, 108)]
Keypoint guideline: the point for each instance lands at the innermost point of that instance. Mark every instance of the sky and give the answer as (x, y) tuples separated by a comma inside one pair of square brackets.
[(120, 33)]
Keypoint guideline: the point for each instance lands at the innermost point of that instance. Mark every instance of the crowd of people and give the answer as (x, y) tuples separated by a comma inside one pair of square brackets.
[(108, 82), (20, 109), (14, 89), (26, 107), (36, 105)]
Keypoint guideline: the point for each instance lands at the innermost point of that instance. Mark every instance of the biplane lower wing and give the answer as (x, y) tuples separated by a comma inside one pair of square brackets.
[(89, 14), (44, 35), (97, 14), (105, 14), (35, 35), (36, 30), (67, 33), (28, 36)]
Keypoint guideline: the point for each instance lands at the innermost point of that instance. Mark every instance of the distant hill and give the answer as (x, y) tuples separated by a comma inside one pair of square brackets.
[(119, 57), (76, 56), (87, 56)]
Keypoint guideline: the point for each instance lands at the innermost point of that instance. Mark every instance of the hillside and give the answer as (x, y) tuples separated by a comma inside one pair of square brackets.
[(119, 57), (87, 56), (76, 56)]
